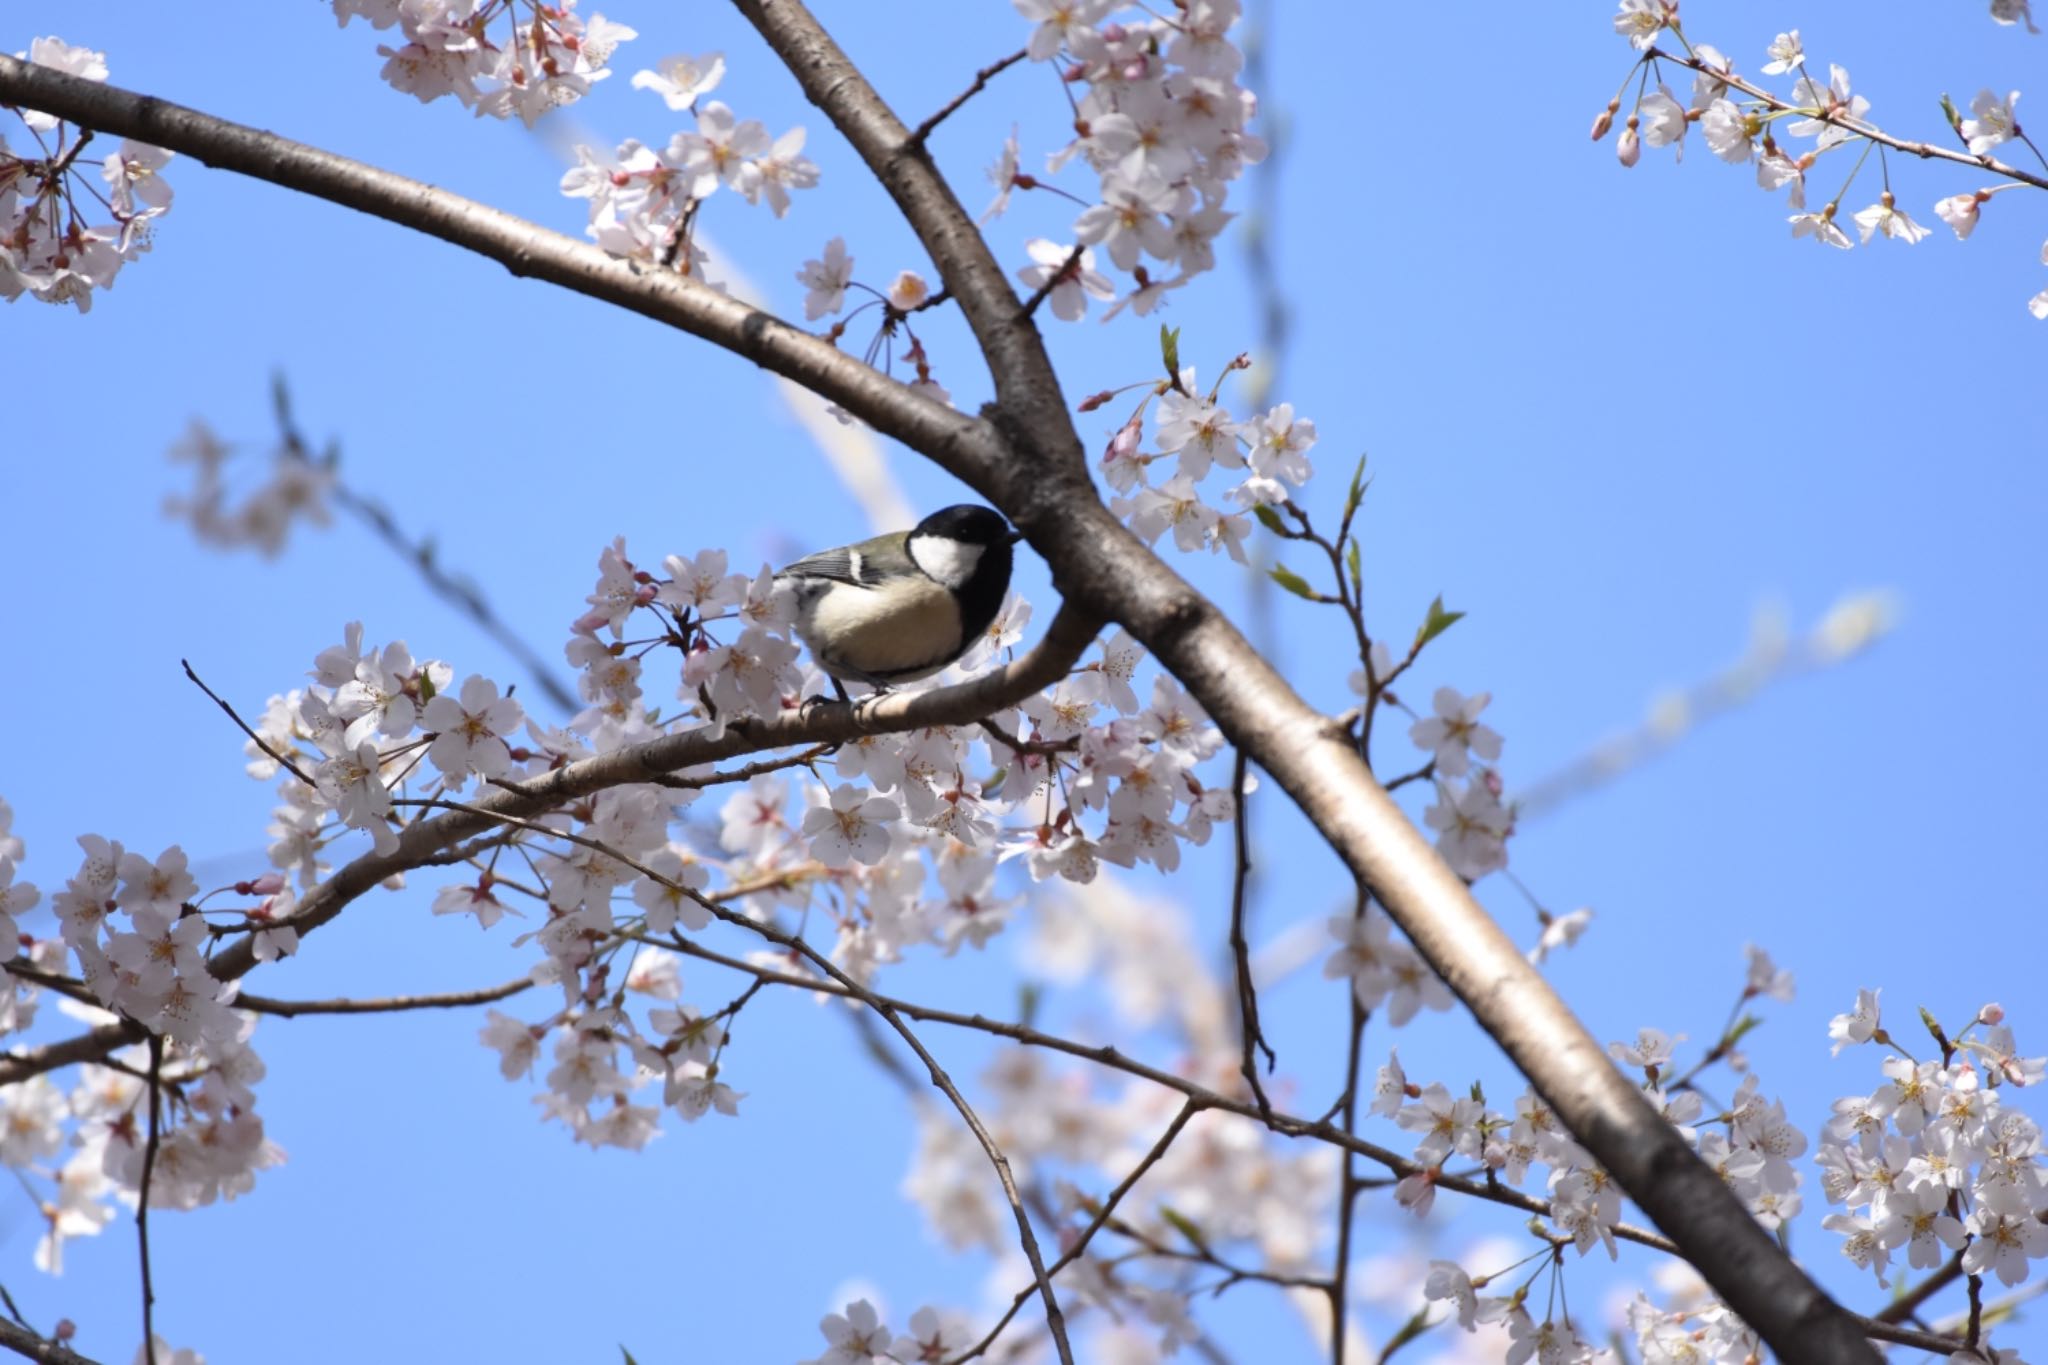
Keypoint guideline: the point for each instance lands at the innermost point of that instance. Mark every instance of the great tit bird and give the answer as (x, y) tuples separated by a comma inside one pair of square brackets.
[(904, 605)]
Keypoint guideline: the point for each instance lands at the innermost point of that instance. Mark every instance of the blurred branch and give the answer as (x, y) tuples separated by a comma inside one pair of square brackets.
[(25, 1343), (1851, 626), (458, 591)]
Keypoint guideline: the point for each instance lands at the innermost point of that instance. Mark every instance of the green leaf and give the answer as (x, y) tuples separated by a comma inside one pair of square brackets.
[(1742, 1026), (627, 1354), (1169, 351), (1409, 1331), (426, 687), (1934, 1029), (1027, 1002), (1437, 622), (1269, 519), (1294, 583), (1184, 1227), (1351, 563), (1359, 483)]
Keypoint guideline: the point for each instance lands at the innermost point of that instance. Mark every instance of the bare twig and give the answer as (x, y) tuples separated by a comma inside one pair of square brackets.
[(1287, 1125), (1067, 267), (748, 772), (1347, 1192), (1250, 1036), (1102, 1215), (1027, 1239), (1908, 1303), (981, 80), (390, 1004), (149, 1151), (282, 760)]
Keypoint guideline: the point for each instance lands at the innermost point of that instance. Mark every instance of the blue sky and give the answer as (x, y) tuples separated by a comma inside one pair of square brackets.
[(1609, 414)]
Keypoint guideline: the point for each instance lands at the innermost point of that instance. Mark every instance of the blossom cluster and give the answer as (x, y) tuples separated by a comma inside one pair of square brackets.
[(1742, 128), (1929, 1162), (1163, 124), (293, 490), (1266, 452), (133, 926), (643, 201), (1932, 1161), (542, 57), (902, 845), (47, 248)]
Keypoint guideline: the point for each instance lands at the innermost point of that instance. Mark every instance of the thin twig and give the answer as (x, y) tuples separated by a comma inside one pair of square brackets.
[(1038, 296), (261, 743), (1073, 1253), (1908, 1303), (149, 1151), (1250, 1036), (1287, 1125), (1347, 1192), (1027, 1239), (748, 772), (981, 79), (1923, 150), (391, 1004)]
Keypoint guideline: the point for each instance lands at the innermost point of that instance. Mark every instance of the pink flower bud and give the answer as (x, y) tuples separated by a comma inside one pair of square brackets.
[(1628, 148), (1606, 119), (1993, 1013)]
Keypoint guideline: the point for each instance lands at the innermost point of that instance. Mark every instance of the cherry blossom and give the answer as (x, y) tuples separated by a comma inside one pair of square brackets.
[(1072, 285), (1454, 731), (1995, 121), (471, 731)]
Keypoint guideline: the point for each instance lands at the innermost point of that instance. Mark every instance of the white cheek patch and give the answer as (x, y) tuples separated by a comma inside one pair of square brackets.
[(950, 562)]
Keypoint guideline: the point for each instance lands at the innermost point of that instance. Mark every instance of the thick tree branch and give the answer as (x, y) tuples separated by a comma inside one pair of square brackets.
[(1017, 362), (28, 1345), (89, 1046), (1882, 1327), (1069, 634), (521, 247), (1096, 562), (1285, 1124)]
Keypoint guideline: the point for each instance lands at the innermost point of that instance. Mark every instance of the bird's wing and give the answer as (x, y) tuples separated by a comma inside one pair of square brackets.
[(854, 564), (841, 564)]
